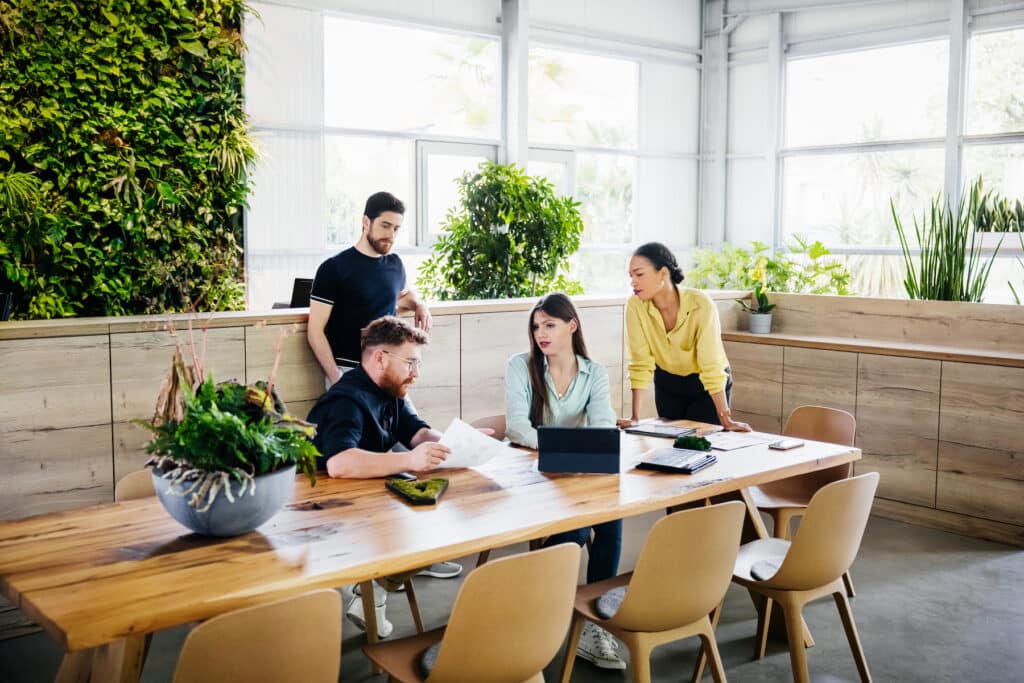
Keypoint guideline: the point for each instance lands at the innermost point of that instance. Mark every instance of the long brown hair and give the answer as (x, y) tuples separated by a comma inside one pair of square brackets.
[(557, 305)]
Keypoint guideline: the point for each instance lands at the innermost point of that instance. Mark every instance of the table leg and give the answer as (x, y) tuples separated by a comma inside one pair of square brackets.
[(120, 661), (370, 617), (75, 667)]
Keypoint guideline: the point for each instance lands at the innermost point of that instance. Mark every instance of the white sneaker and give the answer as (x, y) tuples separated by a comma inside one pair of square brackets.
[(442, 570), (356, 616), (598, 647)]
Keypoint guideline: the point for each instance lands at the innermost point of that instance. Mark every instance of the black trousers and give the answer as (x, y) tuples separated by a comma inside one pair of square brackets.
[(683, 397)]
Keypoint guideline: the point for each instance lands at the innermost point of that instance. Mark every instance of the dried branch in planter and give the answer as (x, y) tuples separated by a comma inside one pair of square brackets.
[(170, 402)]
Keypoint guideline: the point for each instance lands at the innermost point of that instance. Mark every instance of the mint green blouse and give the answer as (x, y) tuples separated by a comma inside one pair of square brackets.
[(586, 403)]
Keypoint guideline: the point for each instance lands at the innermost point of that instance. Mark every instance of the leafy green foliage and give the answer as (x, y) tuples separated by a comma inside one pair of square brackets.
[(950, 266), (803, 269), (420, 492), (123, 147), (761, 304), (994, 213), (694, 443), (230, 426), (511, 236)]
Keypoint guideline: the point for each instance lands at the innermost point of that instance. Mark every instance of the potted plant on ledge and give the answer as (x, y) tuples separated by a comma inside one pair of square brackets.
[(225, 455), (760, 311)]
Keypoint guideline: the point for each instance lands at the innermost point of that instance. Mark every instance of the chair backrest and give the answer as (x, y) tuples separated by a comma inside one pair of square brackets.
[(829, 536), (684, 568), (295, 640), (495, 422), (137, 484), (819, 423), (510, 617)]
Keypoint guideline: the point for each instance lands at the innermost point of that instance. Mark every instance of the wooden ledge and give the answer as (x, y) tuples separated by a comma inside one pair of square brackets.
[(881, 348)]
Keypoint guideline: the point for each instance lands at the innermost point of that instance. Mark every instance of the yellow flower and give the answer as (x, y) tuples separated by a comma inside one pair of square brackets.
[(758, 275)]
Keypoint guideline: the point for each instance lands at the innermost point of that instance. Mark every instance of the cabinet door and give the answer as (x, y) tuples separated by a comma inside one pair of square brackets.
[(820, 378), (757, 384), (981, 459), (898, 425)]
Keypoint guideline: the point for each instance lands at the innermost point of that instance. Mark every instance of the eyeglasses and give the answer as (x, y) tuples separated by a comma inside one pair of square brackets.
[(410, 363)]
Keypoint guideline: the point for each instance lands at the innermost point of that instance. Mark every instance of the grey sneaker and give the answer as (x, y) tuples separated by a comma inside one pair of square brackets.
[(356, 616), (599, 647), (442, 570)]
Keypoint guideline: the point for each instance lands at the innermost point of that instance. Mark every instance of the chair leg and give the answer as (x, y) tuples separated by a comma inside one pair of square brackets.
[(570, 649), (851, 635), (764, 619), (482, 558), (711, 648), (410, 594), (702, 656), (639, 661), (794, 633), (848, 582)]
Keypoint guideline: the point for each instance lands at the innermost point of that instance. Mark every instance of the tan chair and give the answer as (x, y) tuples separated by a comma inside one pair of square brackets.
[(681, 575), (292, 640), (787, 498), (811, 566), (507, 624), (134, 485)]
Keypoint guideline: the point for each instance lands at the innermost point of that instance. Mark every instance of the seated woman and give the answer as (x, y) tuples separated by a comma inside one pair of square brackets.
[(556, 384)]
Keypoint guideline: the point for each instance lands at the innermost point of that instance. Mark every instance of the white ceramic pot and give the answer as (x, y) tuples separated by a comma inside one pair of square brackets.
[(760, 323)]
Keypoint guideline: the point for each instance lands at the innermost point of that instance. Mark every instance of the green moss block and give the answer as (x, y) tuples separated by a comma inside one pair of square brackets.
[(420, 492), (694, 443)]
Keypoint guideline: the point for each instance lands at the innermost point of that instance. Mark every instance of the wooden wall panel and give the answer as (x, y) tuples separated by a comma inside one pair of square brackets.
[(757, 384), (898, 425), (140, 362), (983, 482), (488, 339), (816, 377), (48, 384), (49, 471), (55, 438), (602, 328), (981, 461), (299, 375), (436, 393)]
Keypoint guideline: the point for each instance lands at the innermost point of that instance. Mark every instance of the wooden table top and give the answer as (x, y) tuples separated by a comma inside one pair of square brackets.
[(95, 575)]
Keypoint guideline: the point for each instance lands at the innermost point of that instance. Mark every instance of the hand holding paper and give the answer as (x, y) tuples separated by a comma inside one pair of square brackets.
[(469, 447)]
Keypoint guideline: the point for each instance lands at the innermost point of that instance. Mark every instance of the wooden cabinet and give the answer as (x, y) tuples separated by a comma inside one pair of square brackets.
[(981, 457), (757, 372), (819, 377), (898, 424)]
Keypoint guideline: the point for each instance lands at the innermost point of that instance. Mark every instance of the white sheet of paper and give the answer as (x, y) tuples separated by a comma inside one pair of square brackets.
[(470, 447)]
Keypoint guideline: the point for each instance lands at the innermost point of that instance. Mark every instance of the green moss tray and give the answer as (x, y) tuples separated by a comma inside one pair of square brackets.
[(693, 443), (419, 492)]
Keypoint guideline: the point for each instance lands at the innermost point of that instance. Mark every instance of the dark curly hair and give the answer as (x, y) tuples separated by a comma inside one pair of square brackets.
[(390, 331)]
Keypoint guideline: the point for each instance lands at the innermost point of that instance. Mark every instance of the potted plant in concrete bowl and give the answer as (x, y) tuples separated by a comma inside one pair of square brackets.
[(225, 455), (760, 311)]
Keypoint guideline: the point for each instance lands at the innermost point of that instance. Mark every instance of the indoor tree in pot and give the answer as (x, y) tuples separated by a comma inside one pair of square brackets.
[(225, 455), (510, 236)]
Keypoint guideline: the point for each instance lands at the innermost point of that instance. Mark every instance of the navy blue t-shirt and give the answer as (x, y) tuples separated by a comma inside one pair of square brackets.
[(361, 289), (356, 413)]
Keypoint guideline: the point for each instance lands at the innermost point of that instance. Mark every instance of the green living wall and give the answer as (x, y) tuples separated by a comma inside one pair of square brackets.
[(123, 151)]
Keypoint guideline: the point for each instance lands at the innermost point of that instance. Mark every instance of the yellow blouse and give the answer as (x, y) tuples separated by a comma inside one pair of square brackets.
[(694, 345)]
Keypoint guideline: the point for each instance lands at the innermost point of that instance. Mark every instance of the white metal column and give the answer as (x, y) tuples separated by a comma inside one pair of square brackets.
[(955, 99), (515, 51)]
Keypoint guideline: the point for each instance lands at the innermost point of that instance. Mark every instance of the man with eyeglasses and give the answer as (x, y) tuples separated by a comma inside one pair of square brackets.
[(365, 415)]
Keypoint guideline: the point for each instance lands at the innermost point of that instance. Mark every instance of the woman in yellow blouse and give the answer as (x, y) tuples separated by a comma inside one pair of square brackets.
[(676, 340)]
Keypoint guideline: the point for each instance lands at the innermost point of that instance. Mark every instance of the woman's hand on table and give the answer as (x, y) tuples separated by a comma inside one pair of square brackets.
[(731, 425), (622, 424)]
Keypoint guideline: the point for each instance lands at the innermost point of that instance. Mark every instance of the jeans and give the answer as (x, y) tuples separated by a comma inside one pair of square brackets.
[(604, 553)]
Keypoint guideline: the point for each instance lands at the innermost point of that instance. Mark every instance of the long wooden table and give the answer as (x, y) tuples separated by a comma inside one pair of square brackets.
[(96, 576)]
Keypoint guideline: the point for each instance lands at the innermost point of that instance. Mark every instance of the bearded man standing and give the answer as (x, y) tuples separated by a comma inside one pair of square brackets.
[(359, 285)]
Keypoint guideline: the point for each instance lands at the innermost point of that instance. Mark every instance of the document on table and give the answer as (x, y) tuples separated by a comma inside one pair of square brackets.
[(728, 441), (470, 447)]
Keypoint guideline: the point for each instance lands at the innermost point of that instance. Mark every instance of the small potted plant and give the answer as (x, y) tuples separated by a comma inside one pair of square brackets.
[(225, 455), (760, 311)]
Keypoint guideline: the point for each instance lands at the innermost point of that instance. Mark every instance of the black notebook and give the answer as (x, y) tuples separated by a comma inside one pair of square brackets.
[(677, 460), (666, 431)]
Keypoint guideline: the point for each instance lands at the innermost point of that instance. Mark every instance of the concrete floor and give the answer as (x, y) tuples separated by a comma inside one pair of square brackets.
[(930, 606)]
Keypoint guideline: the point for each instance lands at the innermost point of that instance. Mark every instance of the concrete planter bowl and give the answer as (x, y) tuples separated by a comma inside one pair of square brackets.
[(224, 517), (760, 323)]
